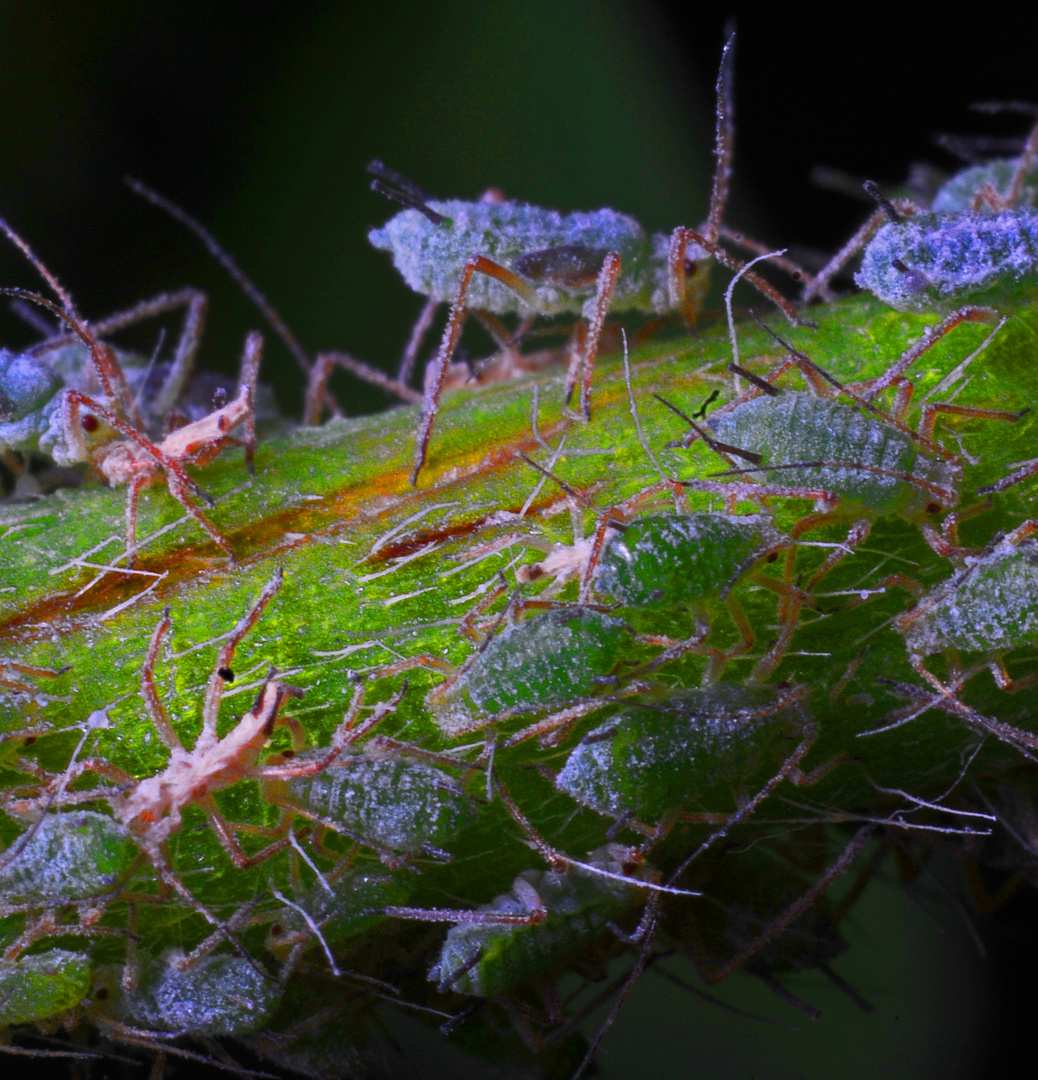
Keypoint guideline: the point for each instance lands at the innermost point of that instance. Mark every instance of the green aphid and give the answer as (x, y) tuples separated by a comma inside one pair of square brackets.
[(42, 985), (961, 191), (392, 803), (654, 760), (550, 660), (872, 466), (70, 856), (677, 560), (578, 905), (218, 995)]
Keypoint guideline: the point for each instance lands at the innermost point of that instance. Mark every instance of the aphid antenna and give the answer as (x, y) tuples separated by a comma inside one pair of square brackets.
[(872, 189), (876, 470), (641, 962), (724, 142), (665, 476), (720, 448), (409, 201), (397, 180), (241, 279)]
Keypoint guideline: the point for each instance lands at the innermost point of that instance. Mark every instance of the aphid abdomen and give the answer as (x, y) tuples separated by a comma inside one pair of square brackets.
[(26, 385), (989, 607), (42, 984), (71, 856), (391, 802), (939, 260), (552, 658), (579, 905), (669, 561), (652, 760), (869, 464), (218, 995)]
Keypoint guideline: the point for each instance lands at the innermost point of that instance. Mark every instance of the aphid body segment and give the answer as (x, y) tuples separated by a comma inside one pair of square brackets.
[(391, 803), (488, 960), (936, 261), (548, 660), (652, 760), (559, 255), (71, 856), (218, 995), (42, 985)]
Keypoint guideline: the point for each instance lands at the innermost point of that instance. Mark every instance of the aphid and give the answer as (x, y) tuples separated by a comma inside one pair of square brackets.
[(217, 995), (108, 432), (935, 261), (31, 382), (650, 761), (488, 959), (990, 607), (41, 985), (856, 461), (994, 185), (72, 856), (504, 257), (394, 804)]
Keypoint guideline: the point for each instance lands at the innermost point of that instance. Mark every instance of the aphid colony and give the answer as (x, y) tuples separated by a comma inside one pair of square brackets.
[(648, 670)]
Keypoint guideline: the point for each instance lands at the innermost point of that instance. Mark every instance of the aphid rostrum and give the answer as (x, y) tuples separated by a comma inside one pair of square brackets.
[(505, 257)]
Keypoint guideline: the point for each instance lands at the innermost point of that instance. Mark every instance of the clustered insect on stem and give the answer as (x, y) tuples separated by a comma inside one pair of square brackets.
[(655, 657)]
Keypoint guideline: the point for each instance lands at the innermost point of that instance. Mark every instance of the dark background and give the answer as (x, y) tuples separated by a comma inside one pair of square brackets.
[(259, 120)]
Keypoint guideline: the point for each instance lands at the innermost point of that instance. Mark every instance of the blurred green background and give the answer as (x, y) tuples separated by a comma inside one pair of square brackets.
[(259, 120)]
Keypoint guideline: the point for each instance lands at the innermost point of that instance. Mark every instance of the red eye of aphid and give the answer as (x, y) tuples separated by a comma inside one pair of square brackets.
[(90, 424), (933, 508)]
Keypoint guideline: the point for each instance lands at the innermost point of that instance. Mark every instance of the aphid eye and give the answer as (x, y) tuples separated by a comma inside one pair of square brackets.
[(277, 930), (933, 508), (771, 556), (783, 685), (226, 674), (29, 740), (288, 755), (691, 268), (101, 994), (90, 424)]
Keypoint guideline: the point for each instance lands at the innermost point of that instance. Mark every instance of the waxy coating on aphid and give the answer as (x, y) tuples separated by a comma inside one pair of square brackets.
[(70, 856), (217, 995), (656, 758), (961, 191), (41, 985), (390, 802), (578, 904), (667, 561), (936, 261)]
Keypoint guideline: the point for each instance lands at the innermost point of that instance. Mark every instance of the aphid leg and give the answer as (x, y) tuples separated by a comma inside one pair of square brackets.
[(414, 343), (595, 310), (437, 373), (798, 907), (554, 729), (178, 482), (316, 393), (895, 373), (10, 668)]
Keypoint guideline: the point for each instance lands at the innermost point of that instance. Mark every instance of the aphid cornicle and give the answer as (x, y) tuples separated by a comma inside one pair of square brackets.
[(506, 257)]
